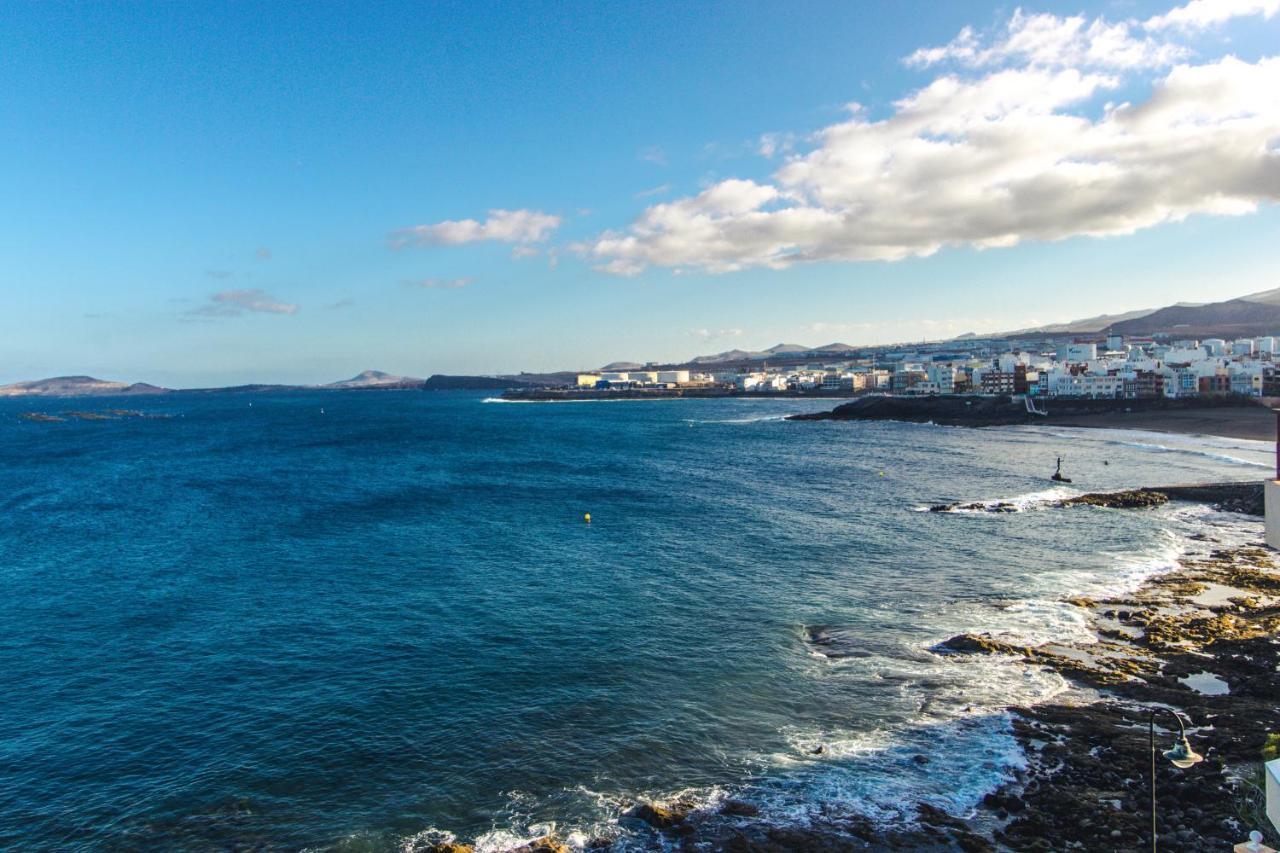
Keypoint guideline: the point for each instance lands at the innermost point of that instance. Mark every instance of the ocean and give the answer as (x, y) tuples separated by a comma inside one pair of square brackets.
[(375, 620)]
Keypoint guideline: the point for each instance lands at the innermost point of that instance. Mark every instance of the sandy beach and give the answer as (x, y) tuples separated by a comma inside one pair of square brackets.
[(1225, 417), (1255, 423)]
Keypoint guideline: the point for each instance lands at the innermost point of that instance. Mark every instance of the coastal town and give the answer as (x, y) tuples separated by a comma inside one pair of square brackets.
[(1113, 366)]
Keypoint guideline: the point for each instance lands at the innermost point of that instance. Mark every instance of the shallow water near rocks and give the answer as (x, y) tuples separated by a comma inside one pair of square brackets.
[(1206, 683), (388, 621)]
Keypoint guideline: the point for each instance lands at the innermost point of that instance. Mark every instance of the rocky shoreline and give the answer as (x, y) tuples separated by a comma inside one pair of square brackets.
[(1203, 639), (1246, 498)]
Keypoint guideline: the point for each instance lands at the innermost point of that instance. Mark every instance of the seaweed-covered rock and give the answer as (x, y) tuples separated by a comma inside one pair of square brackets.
[(1131, 499), (660, 816)]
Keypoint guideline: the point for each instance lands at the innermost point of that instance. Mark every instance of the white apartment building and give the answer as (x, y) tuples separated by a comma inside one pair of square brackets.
[(1077, 353), (1063, 384), (1184, 355)]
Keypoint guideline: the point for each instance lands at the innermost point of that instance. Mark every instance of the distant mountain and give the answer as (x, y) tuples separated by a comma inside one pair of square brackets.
[(759, 355), (1266, 297), (76, 386), (622, 365), (728, 355), (376, 379), (1248, 316), (784, 349), (1087, 326), (87, 386)]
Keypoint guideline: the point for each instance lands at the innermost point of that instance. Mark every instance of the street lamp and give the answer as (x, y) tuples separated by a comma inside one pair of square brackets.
[(1180, 755)]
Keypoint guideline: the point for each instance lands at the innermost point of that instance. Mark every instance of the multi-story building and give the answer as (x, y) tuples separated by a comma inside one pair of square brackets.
[(1143, 384), (1086, 385), (1078, 352), (1217, 383), (997, 382)]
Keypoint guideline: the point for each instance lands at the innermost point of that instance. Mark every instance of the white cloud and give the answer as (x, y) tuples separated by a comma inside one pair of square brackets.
[(519, 253), (1200, 14), (715, 334), (234, 303), (661, 189), (440, 283), (776, 143), (654, 154), (1049, 41), (1016, 150), (506, 226)]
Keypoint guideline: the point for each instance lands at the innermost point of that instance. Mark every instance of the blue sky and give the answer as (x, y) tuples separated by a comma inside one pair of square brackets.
[(199, 195)]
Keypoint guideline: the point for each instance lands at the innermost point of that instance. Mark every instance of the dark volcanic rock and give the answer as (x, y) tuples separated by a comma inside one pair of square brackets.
[(737, 808), (1132, 499), (661, 817)]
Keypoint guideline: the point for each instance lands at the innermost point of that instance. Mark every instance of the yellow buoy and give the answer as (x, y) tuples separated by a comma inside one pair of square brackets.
[(586, 517), (881, 473)]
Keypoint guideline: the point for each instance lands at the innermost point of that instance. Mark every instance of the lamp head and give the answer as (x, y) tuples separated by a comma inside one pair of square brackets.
[(1182, 755)]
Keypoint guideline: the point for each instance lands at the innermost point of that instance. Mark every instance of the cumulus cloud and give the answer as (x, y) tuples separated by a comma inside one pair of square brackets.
[(1011, 146), (440, 283), (234, 303), (1199, 14), (772, 144), (504, 226), (1050, 41)]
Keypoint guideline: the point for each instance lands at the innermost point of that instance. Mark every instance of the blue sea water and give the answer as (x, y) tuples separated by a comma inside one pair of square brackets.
[(372, 620)]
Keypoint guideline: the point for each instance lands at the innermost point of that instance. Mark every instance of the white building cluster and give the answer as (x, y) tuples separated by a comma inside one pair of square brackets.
[(1111, 366), (1135, 368)]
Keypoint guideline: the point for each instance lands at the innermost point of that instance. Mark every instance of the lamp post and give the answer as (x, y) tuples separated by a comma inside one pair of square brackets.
[(1180, 755)]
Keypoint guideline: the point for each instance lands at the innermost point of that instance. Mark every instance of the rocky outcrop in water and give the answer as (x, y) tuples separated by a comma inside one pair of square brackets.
[(662, 816), (1131, 499), (1245, 498)]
